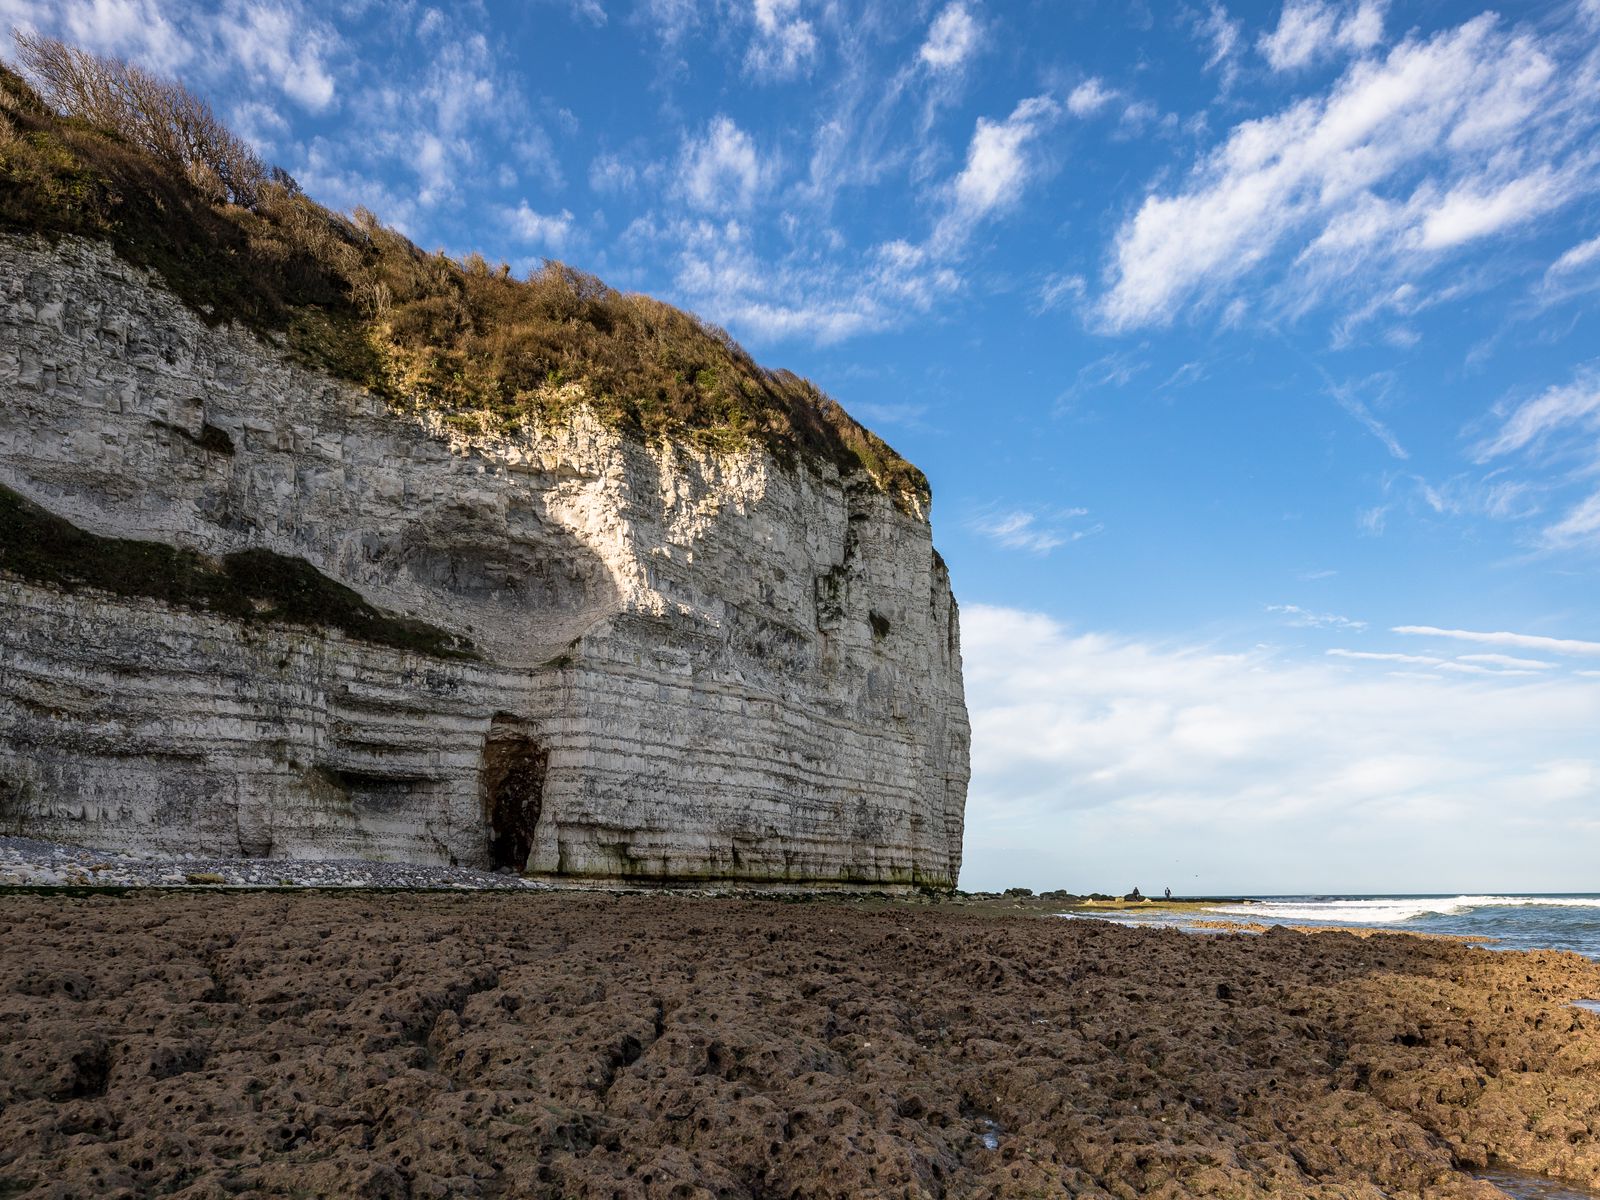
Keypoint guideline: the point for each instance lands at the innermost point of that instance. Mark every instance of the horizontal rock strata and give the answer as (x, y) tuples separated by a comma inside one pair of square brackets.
[(677, 664)]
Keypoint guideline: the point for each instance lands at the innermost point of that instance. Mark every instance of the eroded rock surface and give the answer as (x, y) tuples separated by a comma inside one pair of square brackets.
[(692, 664), (585, 1046)]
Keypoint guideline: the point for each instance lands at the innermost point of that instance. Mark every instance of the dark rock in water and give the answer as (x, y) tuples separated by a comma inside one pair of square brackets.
[(1535, 1187)]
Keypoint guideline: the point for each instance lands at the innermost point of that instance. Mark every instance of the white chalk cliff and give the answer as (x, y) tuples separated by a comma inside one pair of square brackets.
[(686, 664)]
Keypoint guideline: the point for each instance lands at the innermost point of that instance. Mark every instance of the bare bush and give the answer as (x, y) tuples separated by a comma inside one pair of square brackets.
[(159, 116)]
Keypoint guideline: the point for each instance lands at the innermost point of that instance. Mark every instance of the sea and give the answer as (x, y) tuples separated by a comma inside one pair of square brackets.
[(1557, 921)]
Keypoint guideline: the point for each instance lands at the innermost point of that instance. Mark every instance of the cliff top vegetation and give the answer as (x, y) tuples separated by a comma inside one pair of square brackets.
[(97, 148)]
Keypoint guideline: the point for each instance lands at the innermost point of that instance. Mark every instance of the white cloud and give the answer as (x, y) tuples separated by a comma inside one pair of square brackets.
[(1507, 660), (671, 19), (1100, 761), (140, 31), (1554, 409), (282, 43), (550, 231), (1580, 526), (1061, 289), (878, 413), (1345, 396), (1522, 641), (953, 38), (1580, 256), (785, 44), (1472, 132), (811, 289), (455, 126), (1222, 33), (1562, 422), (1460, 665), (722, 172), (259, 124), (1295, 615), (1037, 533), (1474, 211), (1309, 30), (721, 273), (608, 173), (997, 168), (1089, 97), (1374, 656)]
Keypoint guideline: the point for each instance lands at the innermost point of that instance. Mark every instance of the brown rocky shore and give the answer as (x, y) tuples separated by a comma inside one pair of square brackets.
[(567, 1045)]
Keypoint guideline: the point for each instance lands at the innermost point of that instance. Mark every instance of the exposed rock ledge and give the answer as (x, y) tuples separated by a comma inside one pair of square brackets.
[(688, 664)]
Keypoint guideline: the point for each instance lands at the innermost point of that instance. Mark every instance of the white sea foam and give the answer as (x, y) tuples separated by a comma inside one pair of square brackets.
[(1389, 911)]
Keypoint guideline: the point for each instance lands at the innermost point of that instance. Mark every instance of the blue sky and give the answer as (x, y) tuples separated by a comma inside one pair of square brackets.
[(1251, 350)]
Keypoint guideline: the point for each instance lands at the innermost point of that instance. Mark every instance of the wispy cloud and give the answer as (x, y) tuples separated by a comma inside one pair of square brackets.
[(879, 413), (1221, 35), (281, 42), (1327, 774), (1575, 273), (1580, 256), (1058, 290), (1557, 408), (721, 169), (721, 272), (1580, 525), (1035, 532), (1089, 97), (1508, 660), (611, 174), (812, 289), (784, 45), (1562, 423), (1295, 615), (141, 31), (998, 166), (591, 11), (1522, 641), (1461, 665), (1309, 30), (1110, 371), (953, 38), (287, 46), (548, 231), (1347, 397), (1468, 134)]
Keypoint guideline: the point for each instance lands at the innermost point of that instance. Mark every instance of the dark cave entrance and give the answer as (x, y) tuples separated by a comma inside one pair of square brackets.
[(513, 792)]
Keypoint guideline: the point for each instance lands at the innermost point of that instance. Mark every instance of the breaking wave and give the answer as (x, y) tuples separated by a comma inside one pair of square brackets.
[(1392, 910)]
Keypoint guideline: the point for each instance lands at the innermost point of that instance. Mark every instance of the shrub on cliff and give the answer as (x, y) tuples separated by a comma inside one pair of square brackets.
[(113, 153)]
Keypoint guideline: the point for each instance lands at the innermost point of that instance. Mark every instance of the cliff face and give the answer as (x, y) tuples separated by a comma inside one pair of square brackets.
[(685, 664)]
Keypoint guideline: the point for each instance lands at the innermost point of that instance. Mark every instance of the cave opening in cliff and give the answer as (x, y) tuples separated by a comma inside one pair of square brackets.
[(514, 766)]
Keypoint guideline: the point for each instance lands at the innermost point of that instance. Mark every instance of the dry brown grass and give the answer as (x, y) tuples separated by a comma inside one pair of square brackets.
[(359, 300)]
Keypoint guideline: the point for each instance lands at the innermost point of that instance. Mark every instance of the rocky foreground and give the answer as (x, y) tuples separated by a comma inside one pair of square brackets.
[(561, 1045)]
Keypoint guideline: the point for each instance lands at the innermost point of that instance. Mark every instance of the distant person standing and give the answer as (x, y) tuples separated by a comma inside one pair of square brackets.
[(1169, 893)]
